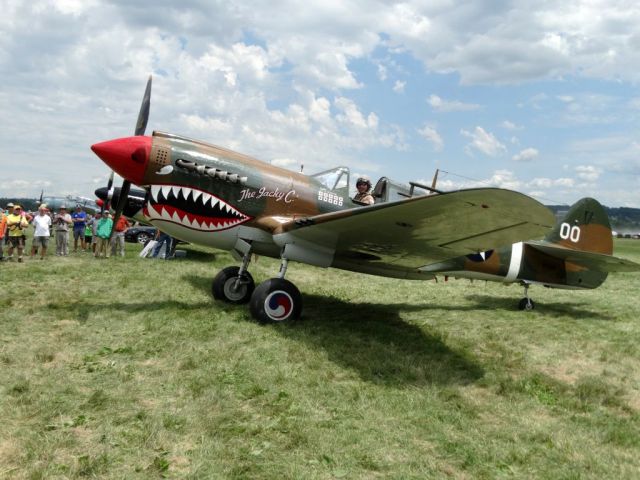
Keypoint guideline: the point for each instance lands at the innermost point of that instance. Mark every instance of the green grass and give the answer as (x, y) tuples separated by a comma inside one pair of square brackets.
[(126, 368)]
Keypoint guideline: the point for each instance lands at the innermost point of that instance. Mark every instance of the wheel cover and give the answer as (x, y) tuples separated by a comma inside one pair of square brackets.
[(278, 305), (232, 293)]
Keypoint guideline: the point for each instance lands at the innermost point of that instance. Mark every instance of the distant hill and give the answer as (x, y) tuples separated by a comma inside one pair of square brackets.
[(623, 219), (28, 204)]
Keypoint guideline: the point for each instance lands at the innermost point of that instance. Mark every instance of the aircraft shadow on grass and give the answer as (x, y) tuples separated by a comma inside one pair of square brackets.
[(375, 342)]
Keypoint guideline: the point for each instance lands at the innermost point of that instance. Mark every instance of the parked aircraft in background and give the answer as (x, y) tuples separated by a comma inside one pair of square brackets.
[(576, 254), (68, 201)]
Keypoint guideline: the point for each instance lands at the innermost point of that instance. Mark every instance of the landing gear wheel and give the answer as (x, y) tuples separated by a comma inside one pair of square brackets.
[(226, 287), (526, 304), (276, 300)]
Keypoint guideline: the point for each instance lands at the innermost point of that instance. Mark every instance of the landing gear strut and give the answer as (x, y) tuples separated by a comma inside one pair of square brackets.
[(526, 303), (273, 301), (234, 284)]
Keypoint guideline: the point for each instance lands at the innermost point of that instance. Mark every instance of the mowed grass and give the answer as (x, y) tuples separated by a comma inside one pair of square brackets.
[(126, 368)]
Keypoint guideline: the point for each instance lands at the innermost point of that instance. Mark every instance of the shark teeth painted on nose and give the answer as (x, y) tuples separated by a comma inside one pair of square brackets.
[(192, 208)]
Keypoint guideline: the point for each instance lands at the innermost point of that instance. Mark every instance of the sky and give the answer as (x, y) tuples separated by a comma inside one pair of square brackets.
[(535, 96)]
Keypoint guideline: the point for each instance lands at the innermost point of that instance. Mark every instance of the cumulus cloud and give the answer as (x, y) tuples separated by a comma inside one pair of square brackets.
[(588, 173), (433, 137), (510, 125), (547, 183), (484, 142), (525, 155), (398, 86), (441, 105)]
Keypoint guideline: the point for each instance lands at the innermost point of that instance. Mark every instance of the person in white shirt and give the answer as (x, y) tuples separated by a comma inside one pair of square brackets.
[(42, 224)]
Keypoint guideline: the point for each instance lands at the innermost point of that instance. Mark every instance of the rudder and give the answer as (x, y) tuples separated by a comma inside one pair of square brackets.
[(585, 227)]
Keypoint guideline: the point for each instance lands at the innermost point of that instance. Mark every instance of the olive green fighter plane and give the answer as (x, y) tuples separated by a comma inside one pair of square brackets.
[(576, 254), (209, 195)]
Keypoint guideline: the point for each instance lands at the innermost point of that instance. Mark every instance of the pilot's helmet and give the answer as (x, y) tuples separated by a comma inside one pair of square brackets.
[(364, 180)]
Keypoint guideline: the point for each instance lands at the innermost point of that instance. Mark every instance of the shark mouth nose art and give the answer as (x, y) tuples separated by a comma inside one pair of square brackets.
[(191, 208)]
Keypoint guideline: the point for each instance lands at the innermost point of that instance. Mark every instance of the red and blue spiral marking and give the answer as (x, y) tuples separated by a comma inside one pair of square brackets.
[(278, 305)]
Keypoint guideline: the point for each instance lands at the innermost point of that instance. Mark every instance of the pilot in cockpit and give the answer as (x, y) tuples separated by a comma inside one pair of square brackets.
[(363, 185)]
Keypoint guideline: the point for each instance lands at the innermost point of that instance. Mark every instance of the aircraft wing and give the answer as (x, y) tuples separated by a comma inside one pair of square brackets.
[(398, 238), (588, 260)]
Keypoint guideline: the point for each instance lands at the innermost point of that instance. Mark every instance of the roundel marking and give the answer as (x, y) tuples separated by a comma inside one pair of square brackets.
[(480, 257), (278, 305)]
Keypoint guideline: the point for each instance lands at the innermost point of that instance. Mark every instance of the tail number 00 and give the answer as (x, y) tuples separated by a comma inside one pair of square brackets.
[(570, 232)]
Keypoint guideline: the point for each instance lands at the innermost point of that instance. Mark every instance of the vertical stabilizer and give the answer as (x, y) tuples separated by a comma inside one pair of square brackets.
[(585, 227)]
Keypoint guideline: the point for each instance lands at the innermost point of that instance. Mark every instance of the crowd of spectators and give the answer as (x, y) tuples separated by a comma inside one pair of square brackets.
[(91, 233)]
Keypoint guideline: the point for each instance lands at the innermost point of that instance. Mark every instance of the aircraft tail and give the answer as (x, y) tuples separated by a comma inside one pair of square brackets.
[(585, 227), (583, 241)]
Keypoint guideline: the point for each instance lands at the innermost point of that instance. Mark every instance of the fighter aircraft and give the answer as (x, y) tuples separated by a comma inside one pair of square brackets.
[(576, 254), (206, 194)]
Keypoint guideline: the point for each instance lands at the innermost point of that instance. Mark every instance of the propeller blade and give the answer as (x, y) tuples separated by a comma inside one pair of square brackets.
[(122, 202), (143, 116), (435, 179), (107, 201)]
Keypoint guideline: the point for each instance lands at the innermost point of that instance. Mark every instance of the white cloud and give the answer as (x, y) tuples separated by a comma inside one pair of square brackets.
[(526, 155), (504, 179), (510, 125), (484, 142), (398, 86), (432, 135), (547, 183), (440, 105), (588, 173)]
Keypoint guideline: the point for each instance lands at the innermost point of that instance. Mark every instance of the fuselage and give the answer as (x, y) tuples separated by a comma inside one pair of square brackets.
[(209, 195)]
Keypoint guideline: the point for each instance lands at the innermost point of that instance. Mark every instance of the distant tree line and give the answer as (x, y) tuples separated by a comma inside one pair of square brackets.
[(26, 203), (622, 219)]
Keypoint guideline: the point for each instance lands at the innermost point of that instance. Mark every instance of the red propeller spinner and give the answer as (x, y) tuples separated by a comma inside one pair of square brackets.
[(127, 156)]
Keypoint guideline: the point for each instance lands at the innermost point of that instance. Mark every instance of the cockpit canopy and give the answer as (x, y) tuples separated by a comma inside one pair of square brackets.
[(335, 180), (386, 190)]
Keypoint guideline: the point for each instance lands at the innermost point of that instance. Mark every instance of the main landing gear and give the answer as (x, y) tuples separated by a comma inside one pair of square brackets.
[(526, 303), (274, 300)]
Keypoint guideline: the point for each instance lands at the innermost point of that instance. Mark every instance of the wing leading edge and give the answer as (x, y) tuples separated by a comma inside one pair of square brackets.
[(396, 239)]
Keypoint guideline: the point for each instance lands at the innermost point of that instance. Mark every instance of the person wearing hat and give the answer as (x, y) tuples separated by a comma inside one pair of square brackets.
[(363, 185), (61, 221), (16, 224), (42, 224)]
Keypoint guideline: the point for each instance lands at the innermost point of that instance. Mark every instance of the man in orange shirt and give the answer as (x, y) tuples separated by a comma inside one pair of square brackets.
[(117, 243)]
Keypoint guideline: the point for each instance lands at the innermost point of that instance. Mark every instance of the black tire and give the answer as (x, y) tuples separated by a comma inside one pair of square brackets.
[(143, 238), (526, 304), (275, 301), (223, 286)]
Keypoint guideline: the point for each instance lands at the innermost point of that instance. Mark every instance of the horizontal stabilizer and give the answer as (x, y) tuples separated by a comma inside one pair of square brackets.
[(589, 260)]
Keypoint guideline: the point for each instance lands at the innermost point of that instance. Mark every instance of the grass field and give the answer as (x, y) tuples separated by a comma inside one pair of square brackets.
[(126, 368)]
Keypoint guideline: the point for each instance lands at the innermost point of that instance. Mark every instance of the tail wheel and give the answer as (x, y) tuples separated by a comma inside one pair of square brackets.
[(230, 287), (276, 300), (526, 304)]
